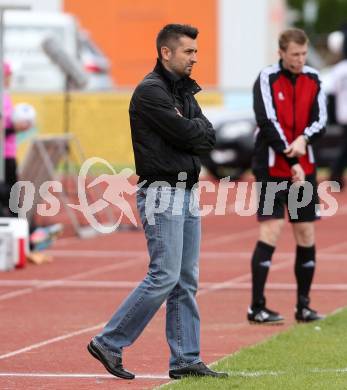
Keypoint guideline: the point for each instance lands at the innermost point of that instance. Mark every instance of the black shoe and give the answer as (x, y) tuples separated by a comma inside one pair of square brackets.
[(305, 314), (263, 316), (114, 366), (198, 369)]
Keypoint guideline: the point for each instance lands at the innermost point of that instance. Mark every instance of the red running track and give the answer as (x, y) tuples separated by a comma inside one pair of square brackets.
[(50, 312)]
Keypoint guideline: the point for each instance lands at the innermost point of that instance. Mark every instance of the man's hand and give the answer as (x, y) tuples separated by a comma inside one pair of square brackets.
[(297, 148), (298, 174)]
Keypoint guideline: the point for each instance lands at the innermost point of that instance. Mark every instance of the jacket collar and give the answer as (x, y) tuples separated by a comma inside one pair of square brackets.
[(288, 73), (174, 81)]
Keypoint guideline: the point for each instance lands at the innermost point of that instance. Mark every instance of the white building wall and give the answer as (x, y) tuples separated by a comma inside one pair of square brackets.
[(47, 5), (248, 33), (36, 5)]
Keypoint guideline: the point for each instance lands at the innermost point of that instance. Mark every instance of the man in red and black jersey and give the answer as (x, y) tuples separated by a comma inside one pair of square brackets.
[(290, 111)]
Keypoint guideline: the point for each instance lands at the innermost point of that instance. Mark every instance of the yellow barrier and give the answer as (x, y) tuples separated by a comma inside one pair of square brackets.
[(99, 120)]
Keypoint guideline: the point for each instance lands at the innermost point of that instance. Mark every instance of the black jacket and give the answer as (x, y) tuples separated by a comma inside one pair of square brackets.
[(164, 142)]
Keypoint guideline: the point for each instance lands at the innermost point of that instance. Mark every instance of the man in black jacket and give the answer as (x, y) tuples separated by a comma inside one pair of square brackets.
[(169, 132)]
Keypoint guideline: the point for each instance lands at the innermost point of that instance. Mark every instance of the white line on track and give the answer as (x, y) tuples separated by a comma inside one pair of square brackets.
[(95, 254), (279, 373), (123, 284), (214, 287), (86, 330), (77, 376), (83, 254), (52, 340), (246, 277), (336, 247), (342, 210), (72, 283), (98, 270), (257, 374), (280, 286), (226, 238), (251, 374), (242, 278), (59, 282)]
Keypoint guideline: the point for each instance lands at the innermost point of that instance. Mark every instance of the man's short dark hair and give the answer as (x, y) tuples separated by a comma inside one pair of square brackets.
[(171, 33), (295, 35)]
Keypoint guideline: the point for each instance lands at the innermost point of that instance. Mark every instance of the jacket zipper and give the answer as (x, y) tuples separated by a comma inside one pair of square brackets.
[(294, 106), (190, 108)]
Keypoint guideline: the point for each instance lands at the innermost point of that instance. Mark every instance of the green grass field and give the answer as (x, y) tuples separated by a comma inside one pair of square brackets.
[(312, 356)]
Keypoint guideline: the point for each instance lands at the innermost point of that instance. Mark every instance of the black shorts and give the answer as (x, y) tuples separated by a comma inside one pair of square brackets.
[(276, 194)]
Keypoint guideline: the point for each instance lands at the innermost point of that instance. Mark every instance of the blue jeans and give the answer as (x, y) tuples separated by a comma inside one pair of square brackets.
[(172, 227)]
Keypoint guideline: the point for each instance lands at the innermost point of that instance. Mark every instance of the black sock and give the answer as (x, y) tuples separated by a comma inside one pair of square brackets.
[(305, 264), (261, 262)]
